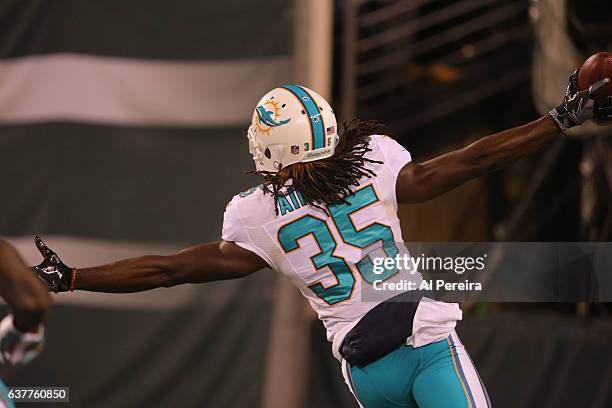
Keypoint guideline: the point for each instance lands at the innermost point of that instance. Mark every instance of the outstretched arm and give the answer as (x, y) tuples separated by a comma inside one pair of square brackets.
[(423, 181), (203, 263), (419, 182)]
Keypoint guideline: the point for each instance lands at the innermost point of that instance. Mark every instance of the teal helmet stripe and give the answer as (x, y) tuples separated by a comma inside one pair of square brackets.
[(312, 110)]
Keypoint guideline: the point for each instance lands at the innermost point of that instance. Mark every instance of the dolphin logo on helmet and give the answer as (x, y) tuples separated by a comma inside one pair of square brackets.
[(265, 117)]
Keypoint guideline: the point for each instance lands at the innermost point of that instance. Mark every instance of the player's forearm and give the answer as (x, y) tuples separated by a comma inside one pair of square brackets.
[(199, 264), (28, 300), (10, 263), (424, 181), (202, 263), (499, 150), (130, 275)]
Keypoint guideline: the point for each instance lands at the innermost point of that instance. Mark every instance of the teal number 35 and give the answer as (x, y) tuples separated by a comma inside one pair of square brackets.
[(290, 234)]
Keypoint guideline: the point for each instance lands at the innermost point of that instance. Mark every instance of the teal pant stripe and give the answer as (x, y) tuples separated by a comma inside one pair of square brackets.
[(461, 373)]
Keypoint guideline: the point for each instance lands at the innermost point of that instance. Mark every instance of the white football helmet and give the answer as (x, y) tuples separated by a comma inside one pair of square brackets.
[(291, 124)]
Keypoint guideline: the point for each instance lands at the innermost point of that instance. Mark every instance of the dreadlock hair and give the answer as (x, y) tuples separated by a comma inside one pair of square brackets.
[(328, 181)]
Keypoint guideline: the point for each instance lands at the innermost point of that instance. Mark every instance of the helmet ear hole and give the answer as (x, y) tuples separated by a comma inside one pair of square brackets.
[(268, 154)]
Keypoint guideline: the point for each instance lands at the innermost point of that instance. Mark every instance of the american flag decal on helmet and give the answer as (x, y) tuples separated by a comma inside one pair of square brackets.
[(331, 130)]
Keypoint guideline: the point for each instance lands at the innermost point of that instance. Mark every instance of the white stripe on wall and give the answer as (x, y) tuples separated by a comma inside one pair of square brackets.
[(82, 252), (107, 90)]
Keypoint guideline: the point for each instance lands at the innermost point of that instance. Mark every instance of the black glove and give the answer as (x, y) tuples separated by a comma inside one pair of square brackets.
[(52, 272), (579, 106)]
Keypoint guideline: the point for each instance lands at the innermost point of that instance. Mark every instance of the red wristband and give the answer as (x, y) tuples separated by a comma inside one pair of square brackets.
[(74, 271)]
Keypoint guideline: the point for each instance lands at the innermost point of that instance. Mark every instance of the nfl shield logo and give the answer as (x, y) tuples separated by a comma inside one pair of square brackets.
[(295, 149)]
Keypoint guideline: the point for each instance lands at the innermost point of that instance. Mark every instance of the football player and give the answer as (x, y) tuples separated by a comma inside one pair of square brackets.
[(328, 198), (22, 331)]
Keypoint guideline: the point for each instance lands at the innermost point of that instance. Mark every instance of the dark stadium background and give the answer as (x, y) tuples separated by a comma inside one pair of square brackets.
[(136, 169)]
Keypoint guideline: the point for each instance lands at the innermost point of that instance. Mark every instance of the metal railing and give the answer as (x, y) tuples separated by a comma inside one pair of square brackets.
[(394, 51)]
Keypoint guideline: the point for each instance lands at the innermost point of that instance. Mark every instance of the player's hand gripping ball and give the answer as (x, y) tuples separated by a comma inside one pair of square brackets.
[(594, 69), (52, 272), (588, 95), (578, 106)]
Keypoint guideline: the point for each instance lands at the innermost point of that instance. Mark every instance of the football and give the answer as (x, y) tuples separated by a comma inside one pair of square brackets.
[(596, 67)]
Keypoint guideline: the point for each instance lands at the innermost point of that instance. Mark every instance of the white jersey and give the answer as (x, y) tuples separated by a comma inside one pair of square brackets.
[(323, 252)]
